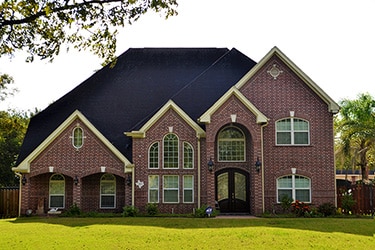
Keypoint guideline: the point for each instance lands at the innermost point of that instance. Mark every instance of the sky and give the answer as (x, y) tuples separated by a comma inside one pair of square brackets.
[(332, 41)]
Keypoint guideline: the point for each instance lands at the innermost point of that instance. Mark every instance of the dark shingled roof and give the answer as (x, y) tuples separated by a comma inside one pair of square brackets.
[(121, 99)]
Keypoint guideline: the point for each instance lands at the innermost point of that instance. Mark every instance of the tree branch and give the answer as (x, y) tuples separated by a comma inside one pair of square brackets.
[(39, 14)]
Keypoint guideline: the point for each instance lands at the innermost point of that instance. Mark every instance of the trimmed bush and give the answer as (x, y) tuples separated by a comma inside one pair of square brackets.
[(152, 209), (327, 209), (130, 211)]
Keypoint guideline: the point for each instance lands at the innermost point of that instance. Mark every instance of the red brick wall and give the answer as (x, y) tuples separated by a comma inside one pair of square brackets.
[(275, 98), (246, 121), (84, 163), (185, 133)]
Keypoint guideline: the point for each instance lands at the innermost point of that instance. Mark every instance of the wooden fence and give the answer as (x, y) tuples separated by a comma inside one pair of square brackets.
[(9, 202), (364, 196)]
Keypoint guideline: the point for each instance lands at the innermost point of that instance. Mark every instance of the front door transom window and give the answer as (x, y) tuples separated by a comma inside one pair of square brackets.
[(231, 145)]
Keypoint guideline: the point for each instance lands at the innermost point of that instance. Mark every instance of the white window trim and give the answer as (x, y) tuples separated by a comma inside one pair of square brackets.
[(73, 137), (192, 156), (192, 188), (293, 188), (114, 195), (178, 151), (178, 190), (49, 191), (292, 131), (149, 159), (157, 189)]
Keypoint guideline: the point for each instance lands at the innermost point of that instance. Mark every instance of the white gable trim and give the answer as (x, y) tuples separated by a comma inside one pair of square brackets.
[(24, 166), (169, 105), (206, 117), (332, 105)]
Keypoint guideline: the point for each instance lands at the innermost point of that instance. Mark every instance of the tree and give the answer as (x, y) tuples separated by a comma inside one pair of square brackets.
[(5, 91), (12, 131), (355, 127), (40, 27)]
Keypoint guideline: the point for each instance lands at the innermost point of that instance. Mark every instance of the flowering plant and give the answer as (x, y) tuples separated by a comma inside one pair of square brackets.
[(300, 208)]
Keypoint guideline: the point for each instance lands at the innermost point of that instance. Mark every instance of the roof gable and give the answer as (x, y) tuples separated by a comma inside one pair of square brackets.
[(332, 105), (206, 117), (141, 133), (125, 97), (24, 166)]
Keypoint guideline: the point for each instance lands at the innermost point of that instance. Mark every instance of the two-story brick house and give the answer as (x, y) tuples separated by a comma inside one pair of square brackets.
[(183, 128)]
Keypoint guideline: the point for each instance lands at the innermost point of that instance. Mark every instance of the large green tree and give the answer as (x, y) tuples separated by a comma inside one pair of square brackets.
[(12, 131), (355, 128), (41, 27)]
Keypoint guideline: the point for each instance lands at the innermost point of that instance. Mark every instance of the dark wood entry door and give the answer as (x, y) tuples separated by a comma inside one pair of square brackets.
[(232, 191)]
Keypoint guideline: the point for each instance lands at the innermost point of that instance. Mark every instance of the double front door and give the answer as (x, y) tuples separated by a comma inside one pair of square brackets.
[(232, 191)]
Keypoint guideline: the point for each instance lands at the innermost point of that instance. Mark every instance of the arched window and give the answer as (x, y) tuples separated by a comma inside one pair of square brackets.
[(57, 191), (231, 144), (292, 131), (170, 151), (77, 137), (153, 155), (294, 186), (108, 191), (188, 155)]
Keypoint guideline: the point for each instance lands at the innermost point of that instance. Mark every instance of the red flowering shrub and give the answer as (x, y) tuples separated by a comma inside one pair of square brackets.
[(300, 209)]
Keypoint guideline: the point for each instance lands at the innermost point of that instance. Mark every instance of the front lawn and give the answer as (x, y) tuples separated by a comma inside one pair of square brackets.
[(187, 233)]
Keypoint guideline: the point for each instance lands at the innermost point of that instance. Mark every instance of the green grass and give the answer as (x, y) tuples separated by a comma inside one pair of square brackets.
[(187, 233)]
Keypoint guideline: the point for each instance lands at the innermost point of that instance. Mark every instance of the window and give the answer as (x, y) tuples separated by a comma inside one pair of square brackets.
[(295, 187), (107, 191), (231, 145), (292, 131), (153, 189), (170, 189), (57, 191), (153, 155), (170, 151), (188, 188), (77, 137), (188, 156)]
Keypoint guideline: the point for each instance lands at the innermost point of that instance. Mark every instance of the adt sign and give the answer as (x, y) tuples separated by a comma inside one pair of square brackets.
[(209, 211)]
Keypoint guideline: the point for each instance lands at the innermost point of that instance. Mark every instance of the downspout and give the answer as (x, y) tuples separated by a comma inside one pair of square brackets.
[(133, 191), (19, 193), (262, 155), (199, 171)]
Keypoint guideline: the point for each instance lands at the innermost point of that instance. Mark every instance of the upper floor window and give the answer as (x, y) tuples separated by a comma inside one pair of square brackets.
[(77, 137), (108, 191), (57, 191), (188, 155), (294, 186), (231, 144), (292, 131), (153, 155), (170, 151)]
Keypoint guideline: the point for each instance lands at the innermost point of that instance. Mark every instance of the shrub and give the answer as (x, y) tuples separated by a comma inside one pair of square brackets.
[(347, 203), (152, 209), (301, 209), (327, 209), (201, 212), (286, 202), (74, 210), (130, 211)]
